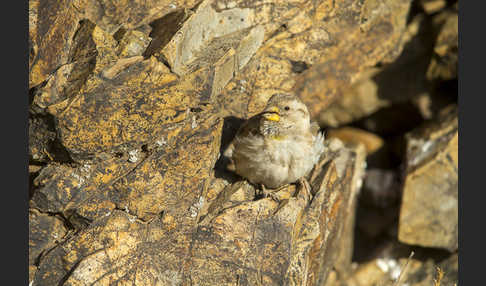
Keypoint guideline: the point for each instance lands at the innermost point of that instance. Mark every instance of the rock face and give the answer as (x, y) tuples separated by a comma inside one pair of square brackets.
[(224, 240), (385, 271), (429, 211), (131, 104), (429, 58)]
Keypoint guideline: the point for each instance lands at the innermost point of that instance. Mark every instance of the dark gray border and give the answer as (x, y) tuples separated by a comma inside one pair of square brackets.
[(14, 116), (471, 99)]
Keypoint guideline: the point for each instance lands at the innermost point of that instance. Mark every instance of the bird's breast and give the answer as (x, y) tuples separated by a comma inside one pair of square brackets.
[(288, 150)]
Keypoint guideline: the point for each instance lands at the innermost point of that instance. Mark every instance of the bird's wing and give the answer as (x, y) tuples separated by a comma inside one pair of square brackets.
[(248, 128)]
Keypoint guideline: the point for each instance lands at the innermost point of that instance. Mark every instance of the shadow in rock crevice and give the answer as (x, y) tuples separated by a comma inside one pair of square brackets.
[(231, 125)]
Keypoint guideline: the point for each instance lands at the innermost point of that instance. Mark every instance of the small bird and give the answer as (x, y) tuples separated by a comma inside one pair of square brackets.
[(278, 146)]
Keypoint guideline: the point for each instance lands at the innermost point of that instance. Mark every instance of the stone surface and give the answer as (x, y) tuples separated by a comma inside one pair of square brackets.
[(391, 84), (40, 139), (350, 135), (385, 271), (429, 211), (316, 50), (221, 241), (443, 65), (134, 181), (432, 6), (45, 231), (113, 15), (429, 57), (52, 25)]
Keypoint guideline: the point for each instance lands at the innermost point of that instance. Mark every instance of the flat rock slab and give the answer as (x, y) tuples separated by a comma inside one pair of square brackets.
[(429, 211)]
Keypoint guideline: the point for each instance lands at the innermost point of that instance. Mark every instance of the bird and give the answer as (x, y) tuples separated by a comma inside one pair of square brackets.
[(278, 146)]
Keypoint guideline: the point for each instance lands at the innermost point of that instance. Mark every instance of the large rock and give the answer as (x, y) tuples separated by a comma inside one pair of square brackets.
[(386, 271), (429, 57), (45, 232), (316, 50), (195, 237), (394, 83), (429, 211), (135, 181), (52, 26), (443, 65)]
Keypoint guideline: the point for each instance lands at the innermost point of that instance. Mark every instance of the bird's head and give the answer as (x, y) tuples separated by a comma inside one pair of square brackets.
[(287, 111)]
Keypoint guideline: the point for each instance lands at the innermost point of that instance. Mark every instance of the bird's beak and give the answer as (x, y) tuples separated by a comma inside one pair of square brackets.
[(272, 114)]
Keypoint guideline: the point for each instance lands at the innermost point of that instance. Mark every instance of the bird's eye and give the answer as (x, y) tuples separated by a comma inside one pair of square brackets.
[(287, 108)]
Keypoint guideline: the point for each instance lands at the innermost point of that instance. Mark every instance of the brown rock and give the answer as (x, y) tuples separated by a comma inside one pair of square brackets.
[(429, 211), (207, 35), (352, 135), (385, 271), (135, 107), (133, 43), (396, 83), (32, 271), (355, 102), (81, 194), (45, 232), (40, 139), (433, 6), (374, 35), (52, 25), (316, 50), (245, 241), (95, 188), (111, 16), (443, 65)]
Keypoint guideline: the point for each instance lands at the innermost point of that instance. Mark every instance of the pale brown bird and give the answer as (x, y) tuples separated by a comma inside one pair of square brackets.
[(278, 146)]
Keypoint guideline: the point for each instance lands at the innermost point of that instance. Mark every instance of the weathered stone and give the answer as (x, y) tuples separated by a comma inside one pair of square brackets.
[(385, 271), (429, 211), (443, 65), (433, 6), (133, 43), (134, 182), (205, 34), (45, 231), (355, 102), (102, 117), (352, 135), (40, 138), (67, 80), (81, 194), (111, 16), (211, 242), (315, 50), (52, 25), (173, 179), (398, 82), (449, 267), (373, 34), (32, 271)]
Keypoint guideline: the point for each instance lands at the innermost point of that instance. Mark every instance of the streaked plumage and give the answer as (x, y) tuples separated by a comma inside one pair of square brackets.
[(278, 146)]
